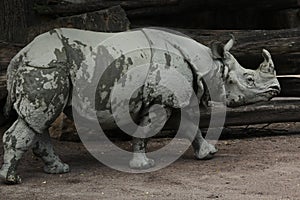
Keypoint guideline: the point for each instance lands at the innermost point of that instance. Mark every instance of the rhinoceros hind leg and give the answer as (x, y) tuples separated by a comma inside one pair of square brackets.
[(43, 149), (17, 140), (57, 167), (140, 161)]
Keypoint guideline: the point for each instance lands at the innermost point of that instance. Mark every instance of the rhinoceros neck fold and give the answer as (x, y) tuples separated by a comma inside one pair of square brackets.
[(198, 60)]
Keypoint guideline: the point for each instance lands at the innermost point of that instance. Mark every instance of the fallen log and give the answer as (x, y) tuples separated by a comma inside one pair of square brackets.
[(245, 4), (275, 111), (290, 86), (146, 15)]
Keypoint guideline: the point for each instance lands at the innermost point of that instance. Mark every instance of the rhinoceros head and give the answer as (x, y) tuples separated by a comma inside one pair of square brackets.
[(246, 86)]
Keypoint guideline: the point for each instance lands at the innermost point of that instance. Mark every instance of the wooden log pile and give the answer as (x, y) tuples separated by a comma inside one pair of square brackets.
[(113, 19), (256, 24), (63, 8), (215, 14)]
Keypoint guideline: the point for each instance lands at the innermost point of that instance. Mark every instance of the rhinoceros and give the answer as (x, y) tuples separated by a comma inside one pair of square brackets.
[(42, 78)]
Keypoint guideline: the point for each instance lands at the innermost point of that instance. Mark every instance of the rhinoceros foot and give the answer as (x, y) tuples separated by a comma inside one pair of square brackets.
[(140, 161), (57, 168), (10, 179), (205, 151), (213, 149), (13, 179)]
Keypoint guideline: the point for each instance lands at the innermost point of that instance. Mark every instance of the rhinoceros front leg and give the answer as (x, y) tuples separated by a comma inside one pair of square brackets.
[(140, 160), (17, 140), (202, 149), (43, 149)]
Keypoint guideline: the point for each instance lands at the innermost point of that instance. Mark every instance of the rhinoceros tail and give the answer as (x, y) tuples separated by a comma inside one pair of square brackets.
[(11, 71), (7, 107)]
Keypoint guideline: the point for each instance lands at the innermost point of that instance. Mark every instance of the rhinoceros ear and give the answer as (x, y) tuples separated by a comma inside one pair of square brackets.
[(217, 50), (229, 44)]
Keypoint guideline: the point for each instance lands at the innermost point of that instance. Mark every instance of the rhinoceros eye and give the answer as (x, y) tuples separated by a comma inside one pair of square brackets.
[(250, 80)]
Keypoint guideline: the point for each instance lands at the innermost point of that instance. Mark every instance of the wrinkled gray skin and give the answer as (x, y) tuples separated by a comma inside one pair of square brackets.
[(41, 78)]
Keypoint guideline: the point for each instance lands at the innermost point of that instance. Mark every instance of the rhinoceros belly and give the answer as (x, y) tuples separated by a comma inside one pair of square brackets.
[(125, 72)]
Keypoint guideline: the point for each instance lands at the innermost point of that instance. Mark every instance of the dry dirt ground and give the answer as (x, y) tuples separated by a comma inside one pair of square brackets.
[(249, 167)]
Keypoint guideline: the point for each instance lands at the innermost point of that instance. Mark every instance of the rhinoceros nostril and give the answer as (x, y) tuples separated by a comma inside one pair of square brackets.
[(275, 87)]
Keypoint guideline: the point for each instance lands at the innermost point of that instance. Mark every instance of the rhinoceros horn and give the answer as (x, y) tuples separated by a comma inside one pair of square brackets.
[(267, 66), (266, 55)]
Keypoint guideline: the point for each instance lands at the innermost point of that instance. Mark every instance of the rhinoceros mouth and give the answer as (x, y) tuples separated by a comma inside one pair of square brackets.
[(269, 94), (273, 90)]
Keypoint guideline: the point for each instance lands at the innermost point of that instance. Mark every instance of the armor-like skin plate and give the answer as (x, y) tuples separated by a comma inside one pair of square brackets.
[(42, 78)]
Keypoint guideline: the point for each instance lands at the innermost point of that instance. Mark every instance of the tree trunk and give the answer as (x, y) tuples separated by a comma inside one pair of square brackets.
[(12, 20), (3, 94), (3, 91)]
